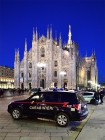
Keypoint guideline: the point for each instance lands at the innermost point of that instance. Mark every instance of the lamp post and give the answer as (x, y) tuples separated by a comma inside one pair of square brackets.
[(62, 73), (41, 65)]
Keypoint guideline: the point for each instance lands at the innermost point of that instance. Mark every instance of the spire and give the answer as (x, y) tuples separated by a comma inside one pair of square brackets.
[(92, 53), (18, 55), (18, 52), (48, 32), (56, 36), (86, 54), (60, 39), (36, 34), (33, 34), (15, 54), (25, 45), (69, 36)]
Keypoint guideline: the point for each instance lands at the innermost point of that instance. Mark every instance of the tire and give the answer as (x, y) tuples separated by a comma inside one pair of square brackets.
[(92, 101), (16, 114), (62, 119)]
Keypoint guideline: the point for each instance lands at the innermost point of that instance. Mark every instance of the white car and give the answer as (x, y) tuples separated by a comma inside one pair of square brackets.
[(88, 96)]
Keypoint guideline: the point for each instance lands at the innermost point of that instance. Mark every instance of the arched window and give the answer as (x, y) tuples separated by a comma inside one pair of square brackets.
[(55, 63), (88, 75), (29, 75), (22, 74), (55, 73), (42, 52), (30, 65)]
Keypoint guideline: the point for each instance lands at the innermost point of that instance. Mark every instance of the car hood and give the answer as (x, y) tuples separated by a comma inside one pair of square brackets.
[(19, 101)]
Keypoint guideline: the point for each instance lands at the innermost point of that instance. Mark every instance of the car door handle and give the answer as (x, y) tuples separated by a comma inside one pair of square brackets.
[(32, 102)]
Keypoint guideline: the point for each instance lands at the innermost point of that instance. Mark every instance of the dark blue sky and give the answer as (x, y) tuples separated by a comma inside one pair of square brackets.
[(86, 17)]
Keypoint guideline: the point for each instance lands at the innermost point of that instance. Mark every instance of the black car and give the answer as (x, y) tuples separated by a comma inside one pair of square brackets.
[(61, 106)]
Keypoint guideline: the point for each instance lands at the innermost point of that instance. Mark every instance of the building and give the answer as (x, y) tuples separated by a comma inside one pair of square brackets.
[(51, 62), (6, 77), (102, 84)]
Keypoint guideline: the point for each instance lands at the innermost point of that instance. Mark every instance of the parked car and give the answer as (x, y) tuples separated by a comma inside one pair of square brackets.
[(61, 106), (88, 96)]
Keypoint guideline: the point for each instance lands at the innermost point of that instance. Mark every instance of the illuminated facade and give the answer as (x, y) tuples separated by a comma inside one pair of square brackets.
[(56, 57), (6, 77)]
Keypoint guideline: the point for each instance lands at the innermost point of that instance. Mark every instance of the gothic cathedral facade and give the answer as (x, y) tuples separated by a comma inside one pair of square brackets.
[(50, 62)]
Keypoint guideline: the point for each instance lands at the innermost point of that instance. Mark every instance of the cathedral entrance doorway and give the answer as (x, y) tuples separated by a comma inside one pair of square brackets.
[(29, 85), (42, 83), (65, 85), (55, 84), (22, 86)]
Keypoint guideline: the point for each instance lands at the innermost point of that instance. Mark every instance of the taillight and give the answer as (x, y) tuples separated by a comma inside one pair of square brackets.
[(77, 106)]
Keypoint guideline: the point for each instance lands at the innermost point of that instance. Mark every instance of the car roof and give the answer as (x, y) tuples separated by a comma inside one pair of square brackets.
[(87, 91), (59, 91)]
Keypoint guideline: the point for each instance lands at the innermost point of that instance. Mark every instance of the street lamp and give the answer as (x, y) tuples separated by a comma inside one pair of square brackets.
[(41, 65), (62, 73), (94, 84)]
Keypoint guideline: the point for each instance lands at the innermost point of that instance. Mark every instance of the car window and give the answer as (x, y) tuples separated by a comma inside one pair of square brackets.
[(88, 93), (37, 97), (69, 97), (52, 97)]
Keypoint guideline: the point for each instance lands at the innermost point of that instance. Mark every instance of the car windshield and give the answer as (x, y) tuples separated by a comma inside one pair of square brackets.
[(36, 96)]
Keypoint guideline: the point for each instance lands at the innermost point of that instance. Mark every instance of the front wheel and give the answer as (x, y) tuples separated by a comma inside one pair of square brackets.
[(62, 119), (16, 113)]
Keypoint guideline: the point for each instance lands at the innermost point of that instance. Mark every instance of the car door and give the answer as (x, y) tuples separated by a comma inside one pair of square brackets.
[(30, 106), (50, 105)]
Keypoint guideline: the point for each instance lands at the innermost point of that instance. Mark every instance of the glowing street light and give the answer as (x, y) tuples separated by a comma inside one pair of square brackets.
[(62, 73), (41, 65), (97, 85)]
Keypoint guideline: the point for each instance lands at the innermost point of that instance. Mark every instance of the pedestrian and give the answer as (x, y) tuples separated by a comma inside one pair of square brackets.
[(39, 89), (13, 91), (101, 95), (96, 97), (19, 91), (1, 92)]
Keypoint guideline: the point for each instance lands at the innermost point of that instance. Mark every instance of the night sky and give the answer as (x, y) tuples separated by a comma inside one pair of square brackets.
[(86, 17)]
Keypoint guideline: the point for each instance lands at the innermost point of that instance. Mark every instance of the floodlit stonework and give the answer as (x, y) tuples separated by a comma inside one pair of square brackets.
[(43, 64)]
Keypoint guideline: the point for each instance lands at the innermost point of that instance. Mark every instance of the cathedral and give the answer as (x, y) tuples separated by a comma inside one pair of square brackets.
[(50, 62)]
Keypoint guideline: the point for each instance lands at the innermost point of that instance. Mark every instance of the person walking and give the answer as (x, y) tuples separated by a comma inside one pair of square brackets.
[(96, 97), (101, 95), (1, 92)]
